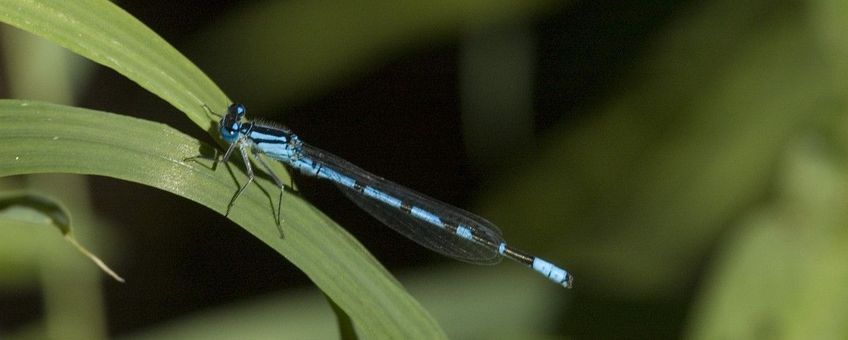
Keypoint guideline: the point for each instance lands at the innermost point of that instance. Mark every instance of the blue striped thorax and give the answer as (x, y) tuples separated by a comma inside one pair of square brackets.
[(271, 139)]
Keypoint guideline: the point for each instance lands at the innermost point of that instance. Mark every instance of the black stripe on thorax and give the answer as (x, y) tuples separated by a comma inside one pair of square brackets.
[(406, 207), (358, 186)]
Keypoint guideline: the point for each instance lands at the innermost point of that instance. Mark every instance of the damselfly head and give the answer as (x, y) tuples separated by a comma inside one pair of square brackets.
[(231, 122)]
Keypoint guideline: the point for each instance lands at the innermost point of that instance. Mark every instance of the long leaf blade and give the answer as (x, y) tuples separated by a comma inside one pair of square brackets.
[(106, 34), (46, 138)]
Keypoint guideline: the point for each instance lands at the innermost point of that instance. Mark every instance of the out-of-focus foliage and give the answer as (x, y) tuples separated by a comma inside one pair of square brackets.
[(674, 171), (296, 49), (781, 271), (645, 187)]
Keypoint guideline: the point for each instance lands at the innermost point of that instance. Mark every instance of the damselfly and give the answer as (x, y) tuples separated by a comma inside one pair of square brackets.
[(438, 226)]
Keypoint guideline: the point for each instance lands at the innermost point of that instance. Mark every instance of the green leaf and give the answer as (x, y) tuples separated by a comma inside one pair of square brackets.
[(106, 34), (35, 209), (31, 208), (46, 138)]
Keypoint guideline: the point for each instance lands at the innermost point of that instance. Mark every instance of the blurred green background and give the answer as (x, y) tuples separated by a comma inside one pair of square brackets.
[(685, 160)]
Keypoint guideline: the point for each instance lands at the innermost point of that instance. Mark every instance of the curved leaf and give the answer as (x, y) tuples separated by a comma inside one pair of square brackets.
[(31, 208), (106, 34), (47, 138)]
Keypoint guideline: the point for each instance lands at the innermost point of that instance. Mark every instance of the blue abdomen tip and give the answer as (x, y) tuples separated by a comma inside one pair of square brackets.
[(552, 272)]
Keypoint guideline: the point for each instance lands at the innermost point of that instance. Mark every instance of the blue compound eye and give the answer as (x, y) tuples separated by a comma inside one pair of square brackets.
[(229, 125), (237, 110), (227, 134)]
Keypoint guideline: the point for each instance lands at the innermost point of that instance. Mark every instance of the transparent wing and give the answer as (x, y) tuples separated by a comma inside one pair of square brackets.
[(433, 237)]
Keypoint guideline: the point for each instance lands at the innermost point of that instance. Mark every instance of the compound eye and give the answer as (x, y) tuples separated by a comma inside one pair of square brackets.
[(237, 109), (228, 135)]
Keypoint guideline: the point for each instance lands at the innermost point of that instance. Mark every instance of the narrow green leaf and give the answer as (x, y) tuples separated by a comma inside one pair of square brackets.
[(101, 31), (46, 138)]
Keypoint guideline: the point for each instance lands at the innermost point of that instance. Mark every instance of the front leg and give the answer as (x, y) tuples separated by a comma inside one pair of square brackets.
[(279, 183), (242, 146)]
